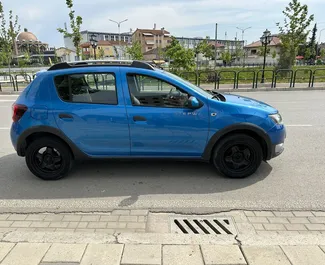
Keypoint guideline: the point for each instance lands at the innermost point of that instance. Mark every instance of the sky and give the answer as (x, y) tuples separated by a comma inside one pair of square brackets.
[(182, 18)]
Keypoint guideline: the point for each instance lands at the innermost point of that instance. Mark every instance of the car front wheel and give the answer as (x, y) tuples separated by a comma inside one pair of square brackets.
[(48, 158), (238, 156)]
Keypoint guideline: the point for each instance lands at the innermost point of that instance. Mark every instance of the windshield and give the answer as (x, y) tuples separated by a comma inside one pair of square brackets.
[(196, 88)]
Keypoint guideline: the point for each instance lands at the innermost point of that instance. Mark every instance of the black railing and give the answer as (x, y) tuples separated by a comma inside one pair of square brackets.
[(231, 78), (245, 78), (26, 79), (283, 74), (254, 78), (307, 75), (7, 79), (315, 76), (223, 76), (259, 75)]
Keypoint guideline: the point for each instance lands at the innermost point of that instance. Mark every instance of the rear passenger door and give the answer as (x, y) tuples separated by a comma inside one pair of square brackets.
[(91, 112)]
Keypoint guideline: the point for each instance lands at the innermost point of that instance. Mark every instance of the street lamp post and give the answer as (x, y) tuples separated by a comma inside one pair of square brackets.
[(93, 43), (119, 31), (242, 37), (265, 40)]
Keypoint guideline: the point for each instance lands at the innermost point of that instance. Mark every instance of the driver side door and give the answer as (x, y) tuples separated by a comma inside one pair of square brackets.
[(160, 123)]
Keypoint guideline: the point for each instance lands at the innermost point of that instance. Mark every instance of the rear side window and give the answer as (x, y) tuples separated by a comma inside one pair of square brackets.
[(87, 88)]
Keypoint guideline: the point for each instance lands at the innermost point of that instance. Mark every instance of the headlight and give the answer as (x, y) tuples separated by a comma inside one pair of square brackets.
[(276, 118)]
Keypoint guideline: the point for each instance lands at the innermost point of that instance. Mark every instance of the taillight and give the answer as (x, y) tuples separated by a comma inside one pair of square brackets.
[(18, 111)]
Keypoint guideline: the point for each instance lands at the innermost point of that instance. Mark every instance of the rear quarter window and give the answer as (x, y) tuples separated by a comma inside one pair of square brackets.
[(93, 88)]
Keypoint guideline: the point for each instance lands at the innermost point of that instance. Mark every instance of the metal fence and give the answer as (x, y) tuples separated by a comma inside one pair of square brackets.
[(233, 79), (254, 78)]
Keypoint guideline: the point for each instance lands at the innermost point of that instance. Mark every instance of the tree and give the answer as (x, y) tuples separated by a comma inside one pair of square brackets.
[(307, 54), (312, 43), (226, 57), (135, 51), (293, 32), (274, 54), (75, 24), (322, 53), (180, 57), (101, 53), (261, 51), (238, 50), (8, 34)]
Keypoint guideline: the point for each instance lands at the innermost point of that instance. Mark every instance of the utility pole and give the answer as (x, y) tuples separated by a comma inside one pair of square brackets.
[(242, 35), (119, 31), (215, 47)]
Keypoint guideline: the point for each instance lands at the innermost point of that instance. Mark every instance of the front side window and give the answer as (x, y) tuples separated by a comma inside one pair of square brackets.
[(153, 92), (87, 88)]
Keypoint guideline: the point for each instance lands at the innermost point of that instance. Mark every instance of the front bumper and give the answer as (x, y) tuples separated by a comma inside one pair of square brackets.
[(277, 150)]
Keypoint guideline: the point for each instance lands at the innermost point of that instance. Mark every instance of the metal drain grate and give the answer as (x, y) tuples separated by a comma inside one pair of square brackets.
[(202, 225)]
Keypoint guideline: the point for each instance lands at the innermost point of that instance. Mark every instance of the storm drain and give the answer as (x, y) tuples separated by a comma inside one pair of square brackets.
[(198, 225)]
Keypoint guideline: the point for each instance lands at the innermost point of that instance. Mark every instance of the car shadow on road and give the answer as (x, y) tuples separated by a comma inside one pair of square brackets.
[(111, 178)]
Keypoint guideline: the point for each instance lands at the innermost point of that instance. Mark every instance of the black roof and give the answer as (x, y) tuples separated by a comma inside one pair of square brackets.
[(69, 65)]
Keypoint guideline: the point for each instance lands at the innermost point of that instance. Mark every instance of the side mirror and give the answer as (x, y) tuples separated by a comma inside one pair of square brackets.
[(193, 103)]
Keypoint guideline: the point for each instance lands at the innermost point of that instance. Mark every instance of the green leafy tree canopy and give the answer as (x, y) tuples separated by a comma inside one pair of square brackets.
[(312, 43), (293, 32), (8, 33), (180, 57), (75, 24), (135, 51)]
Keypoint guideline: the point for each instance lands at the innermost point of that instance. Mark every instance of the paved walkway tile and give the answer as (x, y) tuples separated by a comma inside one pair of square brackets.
[(26, 254), (182, 255), (141, 255), (222, 255), (266, 255), (65, 253), (99, 254), (4, 249), (305, 255)]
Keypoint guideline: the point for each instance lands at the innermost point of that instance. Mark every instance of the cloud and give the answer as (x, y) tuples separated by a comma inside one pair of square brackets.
[(180, 17)]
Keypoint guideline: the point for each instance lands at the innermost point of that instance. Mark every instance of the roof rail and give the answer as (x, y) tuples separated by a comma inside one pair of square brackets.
[(88, 63)]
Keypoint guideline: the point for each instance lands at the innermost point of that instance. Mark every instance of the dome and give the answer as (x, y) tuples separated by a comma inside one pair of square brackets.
[(26, 36)]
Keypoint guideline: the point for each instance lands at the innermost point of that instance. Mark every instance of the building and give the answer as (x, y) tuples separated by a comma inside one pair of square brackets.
[(86, 35), (254, 53), (65, 54), (106, 36), (105, 49), (151, 38), (232, 45), (38, 51)]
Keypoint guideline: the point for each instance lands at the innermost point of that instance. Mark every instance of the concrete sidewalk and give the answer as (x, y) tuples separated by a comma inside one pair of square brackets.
[(142, 237), (130, 254)]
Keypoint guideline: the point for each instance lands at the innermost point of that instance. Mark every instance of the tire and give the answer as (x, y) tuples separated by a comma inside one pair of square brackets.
[(237, 156), (48, 158)]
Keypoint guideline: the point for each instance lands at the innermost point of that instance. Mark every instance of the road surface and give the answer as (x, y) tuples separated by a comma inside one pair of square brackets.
[(295, 180)]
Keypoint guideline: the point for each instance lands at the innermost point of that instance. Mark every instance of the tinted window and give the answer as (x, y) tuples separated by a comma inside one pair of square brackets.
[(87, 88), (150, 91)]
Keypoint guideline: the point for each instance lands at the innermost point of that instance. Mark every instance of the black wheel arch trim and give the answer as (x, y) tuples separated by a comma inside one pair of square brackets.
[(234, 128), (22, 144)]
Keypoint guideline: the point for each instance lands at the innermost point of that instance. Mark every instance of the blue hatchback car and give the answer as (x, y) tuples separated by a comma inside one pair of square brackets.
[(130, 109)]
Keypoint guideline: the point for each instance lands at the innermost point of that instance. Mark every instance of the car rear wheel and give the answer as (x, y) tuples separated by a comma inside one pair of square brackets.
[(48, 158), (238, 156)]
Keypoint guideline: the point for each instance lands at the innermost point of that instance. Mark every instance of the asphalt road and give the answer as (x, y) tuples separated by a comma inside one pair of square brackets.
[(295, 180)]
